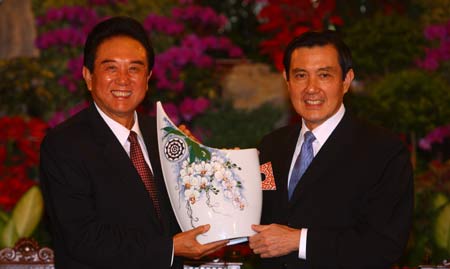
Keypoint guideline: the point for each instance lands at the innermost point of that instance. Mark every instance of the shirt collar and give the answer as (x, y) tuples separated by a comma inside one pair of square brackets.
[(120, 131), (323, 131)]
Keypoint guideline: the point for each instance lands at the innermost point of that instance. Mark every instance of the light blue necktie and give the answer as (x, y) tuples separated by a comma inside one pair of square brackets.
[(303, 160)]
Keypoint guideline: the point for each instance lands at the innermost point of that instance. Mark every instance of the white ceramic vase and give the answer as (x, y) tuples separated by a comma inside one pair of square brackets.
[(210, 186)]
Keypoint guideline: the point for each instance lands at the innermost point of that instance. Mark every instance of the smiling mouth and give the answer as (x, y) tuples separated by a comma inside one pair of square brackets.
[(313, 102), (121, 93)]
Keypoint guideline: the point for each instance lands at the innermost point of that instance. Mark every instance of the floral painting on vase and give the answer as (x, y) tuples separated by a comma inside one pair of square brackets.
[(209, 186)]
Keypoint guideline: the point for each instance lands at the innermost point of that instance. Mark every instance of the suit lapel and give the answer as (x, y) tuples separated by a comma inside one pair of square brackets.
[(149, 132), (118, 159), (326, 159), (286, 152)]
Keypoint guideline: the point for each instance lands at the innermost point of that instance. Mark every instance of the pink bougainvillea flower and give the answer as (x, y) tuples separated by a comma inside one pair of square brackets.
[(190, 107), (436, 136)]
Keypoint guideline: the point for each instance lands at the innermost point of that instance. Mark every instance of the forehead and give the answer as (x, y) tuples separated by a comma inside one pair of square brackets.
[(120, 47), (315, 57)]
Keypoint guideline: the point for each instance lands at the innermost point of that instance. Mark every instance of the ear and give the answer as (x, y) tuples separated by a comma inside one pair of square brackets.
[(87, 77), (286, 80), (348, 80), (284, 76), (148, 77)]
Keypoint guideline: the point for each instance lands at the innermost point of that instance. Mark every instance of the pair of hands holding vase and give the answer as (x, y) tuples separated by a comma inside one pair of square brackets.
[(270, 241)]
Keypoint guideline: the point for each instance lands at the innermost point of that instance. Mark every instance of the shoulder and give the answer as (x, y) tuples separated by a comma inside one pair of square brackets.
[(377, 139), (280, 136), (69, 131), (146, 119), (283, 132)]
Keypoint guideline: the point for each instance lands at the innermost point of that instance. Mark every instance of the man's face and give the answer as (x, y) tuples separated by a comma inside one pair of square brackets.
[(315, 83), (119, 81)]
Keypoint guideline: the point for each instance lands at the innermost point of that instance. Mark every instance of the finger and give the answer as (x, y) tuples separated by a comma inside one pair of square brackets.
[(212, 250), (216, 244), (259, 228), (200, 229), (252, 240)]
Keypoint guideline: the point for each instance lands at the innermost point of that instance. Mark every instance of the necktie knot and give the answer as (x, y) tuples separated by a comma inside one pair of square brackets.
[(132, 137), (309, 137)]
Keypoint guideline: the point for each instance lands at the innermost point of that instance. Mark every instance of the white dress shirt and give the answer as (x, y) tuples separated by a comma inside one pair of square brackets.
[(122, 133), (321, 132)]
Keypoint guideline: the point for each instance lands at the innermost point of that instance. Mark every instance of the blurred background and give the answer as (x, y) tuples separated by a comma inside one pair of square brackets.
[(218, 70)]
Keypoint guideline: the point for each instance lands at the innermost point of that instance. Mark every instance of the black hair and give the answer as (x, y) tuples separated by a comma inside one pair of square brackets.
[(113, 27), (312, 39)]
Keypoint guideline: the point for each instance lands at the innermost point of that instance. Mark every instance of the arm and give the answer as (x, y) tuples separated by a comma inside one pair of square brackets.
[(82, 230), (381, 231), (374, 231)]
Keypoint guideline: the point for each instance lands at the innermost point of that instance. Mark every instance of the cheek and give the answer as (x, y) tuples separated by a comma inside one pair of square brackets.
[(293, 91)]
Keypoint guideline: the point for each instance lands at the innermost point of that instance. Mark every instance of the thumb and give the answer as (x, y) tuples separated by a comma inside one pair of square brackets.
[(201, 229), (258, 228)]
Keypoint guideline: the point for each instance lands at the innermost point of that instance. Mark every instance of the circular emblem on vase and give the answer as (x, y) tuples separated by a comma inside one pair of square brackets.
[(174, 149)]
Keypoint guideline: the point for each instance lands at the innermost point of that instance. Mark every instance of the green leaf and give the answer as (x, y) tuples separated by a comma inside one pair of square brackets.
[(28, 211), (9, 236), (171, 130), (196, 152), (442, 228), (4, 217)]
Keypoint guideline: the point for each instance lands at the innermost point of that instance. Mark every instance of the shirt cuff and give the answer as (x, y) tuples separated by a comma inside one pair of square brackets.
[(302, 244), (171, 261)]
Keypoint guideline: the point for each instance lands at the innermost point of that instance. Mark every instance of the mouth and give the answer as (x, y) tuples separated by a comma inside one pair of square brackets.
[(313, 102), (117, 93)]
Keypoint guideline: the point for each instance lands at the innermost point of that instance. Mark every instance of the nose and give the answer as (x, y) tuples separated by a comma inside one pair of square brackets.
[(311, 86), (122, 78)]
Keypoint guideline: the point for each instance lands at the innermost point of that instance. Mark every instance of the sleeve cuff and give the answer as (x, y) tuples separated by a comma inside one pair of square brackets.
[(171, 261), (302, 244)]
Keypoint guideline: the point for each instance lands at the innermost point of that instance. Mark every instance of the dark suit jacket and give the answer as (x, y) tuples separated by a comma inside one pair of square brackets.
[(100, 213), (356, 197)]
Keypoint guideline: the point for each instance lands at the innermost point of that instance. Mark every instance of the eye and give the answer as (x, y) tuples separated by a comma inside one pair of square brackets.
[(135, 69), (324, 75), (299, 76), (110, 68)]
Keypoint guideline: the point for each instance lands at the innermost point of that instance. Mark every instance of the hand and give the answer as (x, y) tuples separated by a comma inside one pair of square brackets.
[(274, 240), (188, 133), (185, 244)]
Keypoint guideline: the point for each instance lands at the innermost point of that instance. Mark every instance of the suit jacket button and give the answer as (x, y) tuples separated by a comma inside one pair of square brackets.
[(284, 266)]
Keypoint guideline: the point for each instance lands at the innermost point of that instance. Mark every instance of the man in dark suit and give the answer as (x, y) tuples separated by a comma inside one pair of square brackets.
[(104, 211), (352, 206)]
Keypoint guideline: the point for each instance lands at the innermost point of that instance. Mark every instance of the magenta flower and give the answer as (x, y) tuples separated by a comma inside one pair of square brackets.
[(435, 32), (162, 24), (198, 14), (437, 54), (190, 107), (61, 116), (172, 111), (78, 107), (74, 15), (436, 136), (56, 119), (68, 83), (61, 38), (106, 2), (75, 67)]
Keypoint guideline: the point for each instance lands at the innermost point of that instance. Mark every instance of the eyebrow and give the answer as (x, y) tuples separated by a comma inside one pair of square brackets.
[(113, 61), (326, 68)]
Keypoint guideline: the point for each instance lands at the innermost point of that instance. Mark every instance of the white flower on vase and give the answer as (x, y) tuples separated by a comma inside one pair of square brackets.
[(191, 195)]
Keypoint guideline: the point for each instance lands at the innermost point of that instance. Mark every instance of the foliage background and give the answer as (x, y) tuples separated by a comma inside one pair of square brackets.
[(401, 52)]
